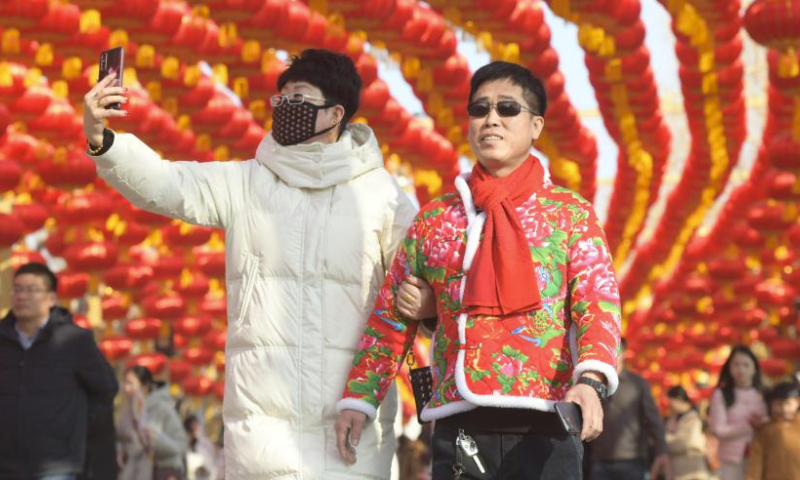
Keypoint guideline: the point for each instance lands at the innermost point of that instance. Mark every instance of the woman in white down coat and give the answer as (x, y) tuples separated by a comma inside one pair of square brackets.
[(311, 224)]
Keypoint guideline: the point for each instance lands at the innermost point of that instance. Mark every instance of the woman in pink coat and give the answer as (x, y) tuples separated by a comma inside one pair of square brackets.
[(737, 409)]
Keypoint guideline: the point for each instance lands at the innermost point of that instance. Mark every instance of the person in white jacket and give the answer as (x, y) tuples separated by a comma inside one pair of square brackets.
[(311, 225)]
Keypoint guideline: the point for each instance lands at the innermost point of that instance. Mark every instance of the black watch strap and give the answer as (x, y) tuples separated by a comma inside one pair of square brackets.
[(599, 387)]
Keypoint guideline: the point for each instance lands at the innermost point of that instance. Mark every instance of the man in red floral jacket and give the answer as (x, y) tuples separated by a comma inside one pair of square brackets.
[(527, 302)]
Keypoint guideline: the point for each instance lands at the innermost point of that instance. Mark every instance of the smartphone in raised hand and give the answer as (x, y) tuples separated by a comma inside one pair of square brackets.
[(112, 61)]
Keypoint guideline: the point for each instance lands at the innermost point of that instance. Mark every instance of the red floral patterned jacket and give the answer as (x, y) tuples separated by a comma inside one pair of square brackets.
[(519, 361)]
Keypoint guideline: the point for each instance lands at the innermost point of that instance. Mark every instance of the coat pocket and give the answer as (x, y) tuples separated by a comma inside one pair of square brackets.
[(248, 283)]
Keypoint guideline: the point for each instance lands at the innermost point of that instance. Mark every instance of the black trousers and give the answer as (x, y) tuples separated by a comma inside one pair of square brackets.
[(509, 456)]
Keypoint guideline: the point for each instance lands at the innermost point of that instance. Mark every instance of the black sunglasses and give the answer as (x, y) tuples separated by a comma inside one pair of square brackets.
[(504, 108)]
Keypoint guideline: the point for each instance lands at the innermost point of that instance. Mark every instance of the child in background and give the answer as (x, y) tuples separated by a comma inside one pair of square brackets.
[(775, 451)]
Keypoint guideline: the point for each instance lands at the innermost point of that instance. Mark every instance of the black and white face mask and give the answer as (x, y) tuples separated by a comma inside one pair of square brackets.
[(296, 123)]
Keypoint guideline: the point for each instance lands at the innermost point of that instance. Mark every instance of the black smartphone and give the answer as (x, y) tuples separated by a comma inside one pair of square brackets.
[(112, 61), (571, 417)]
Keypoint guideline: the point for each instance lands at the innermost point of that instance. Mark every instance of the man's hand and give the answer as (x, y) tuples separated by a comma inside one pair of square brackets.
[(661, 464), (348, 428), (415, 299), (591, 409), (94, 111)]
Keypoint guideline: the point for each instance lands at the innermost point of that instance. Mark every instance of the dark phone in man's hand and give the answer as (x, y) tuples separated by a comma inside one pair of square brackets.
[(571, 417)]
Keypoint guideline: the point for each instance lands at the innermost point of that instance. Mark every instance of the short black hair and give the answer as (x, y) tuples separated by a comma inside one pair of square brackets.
[(679, 393), (333, 73), (40, 270), (144, 375), (784, 391), (532, 87)]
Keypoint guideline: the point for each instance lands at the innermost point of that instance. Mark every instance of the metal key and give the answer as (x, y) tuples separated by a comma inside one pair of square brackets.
[(470, 449)]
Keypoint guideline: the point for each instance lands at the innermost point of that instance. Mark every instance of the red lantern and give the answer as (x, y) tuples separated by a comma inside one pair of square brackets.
[(168, 307), (198, 356), (179, 370), (126, 277), (192, 286), (115, 306), (10, 172), (155, 362), (215, 340), (91, 256), (143, 328), (68, 170), (773, 24), (11, 229), (115, 348), (775, 367), (192, 326), (198, 386), (72, 285), (211, 263), (31, 214)]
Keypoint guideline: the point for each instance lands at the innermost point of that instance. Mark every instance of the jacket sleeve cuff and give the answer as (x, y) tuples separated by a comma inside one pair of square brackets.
[(612, 379), (358, 405)]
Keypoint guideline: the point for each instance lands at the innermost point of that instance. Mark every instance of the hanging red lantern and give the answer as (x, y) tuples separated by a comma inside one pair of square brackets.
[(214, 304), (179, 370), (116, 347), (192, 325), (84, 208), (68, 169), (10, 173), (168, 267), (115, 306), (198, 356), (128, 277), (198, 386), (211, 263), (72, 284), (143, 328), (775, 367), (168, 307), (215, 340), (192, 285), (32, 215), (155, 362), (91, 256), (773, 24), (11, 229), (185, 235)]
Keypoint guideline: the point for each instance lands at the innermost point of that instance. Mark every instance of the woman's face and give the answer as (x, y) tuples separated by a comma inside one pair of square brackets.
[(742, 370), (678, 406), (131, 384), (326, 117)]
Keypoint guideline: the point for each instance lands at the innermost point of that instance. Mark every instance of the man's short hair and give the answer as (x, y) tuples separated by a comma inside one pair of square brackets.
[(784, 391), (40, 270), (333, 73), (532, 87)]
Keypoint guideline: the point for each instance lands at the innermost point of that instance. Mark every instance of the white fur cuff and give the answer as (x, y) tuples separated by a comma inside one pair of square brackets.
[(597, 366), (357, 405)]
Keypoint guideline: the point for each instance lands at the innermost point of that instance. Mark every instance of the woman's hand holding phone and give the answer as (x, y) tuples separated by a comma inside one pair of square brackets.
[(94, 108)]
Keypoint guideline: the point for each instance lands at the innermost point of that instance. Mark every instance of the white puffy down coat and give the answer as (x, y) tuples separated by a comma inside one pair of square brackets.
[(310, 232)]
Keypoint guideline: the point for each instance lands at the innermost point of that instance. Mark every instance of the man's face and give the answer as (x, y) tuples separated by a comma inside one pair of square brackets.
[(325, 117), (31, 298), (501, 144), (785, 410)]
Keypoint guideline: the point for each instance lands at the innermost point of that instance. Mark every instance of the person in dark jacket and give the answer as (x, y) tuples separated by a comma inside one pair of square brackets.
[(630, 425), (101, 442), (54, 383)]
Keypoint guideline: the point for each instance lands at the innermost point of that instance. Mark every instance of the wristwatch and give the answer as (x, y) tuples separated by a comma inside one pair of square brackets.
[(599, 387)]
